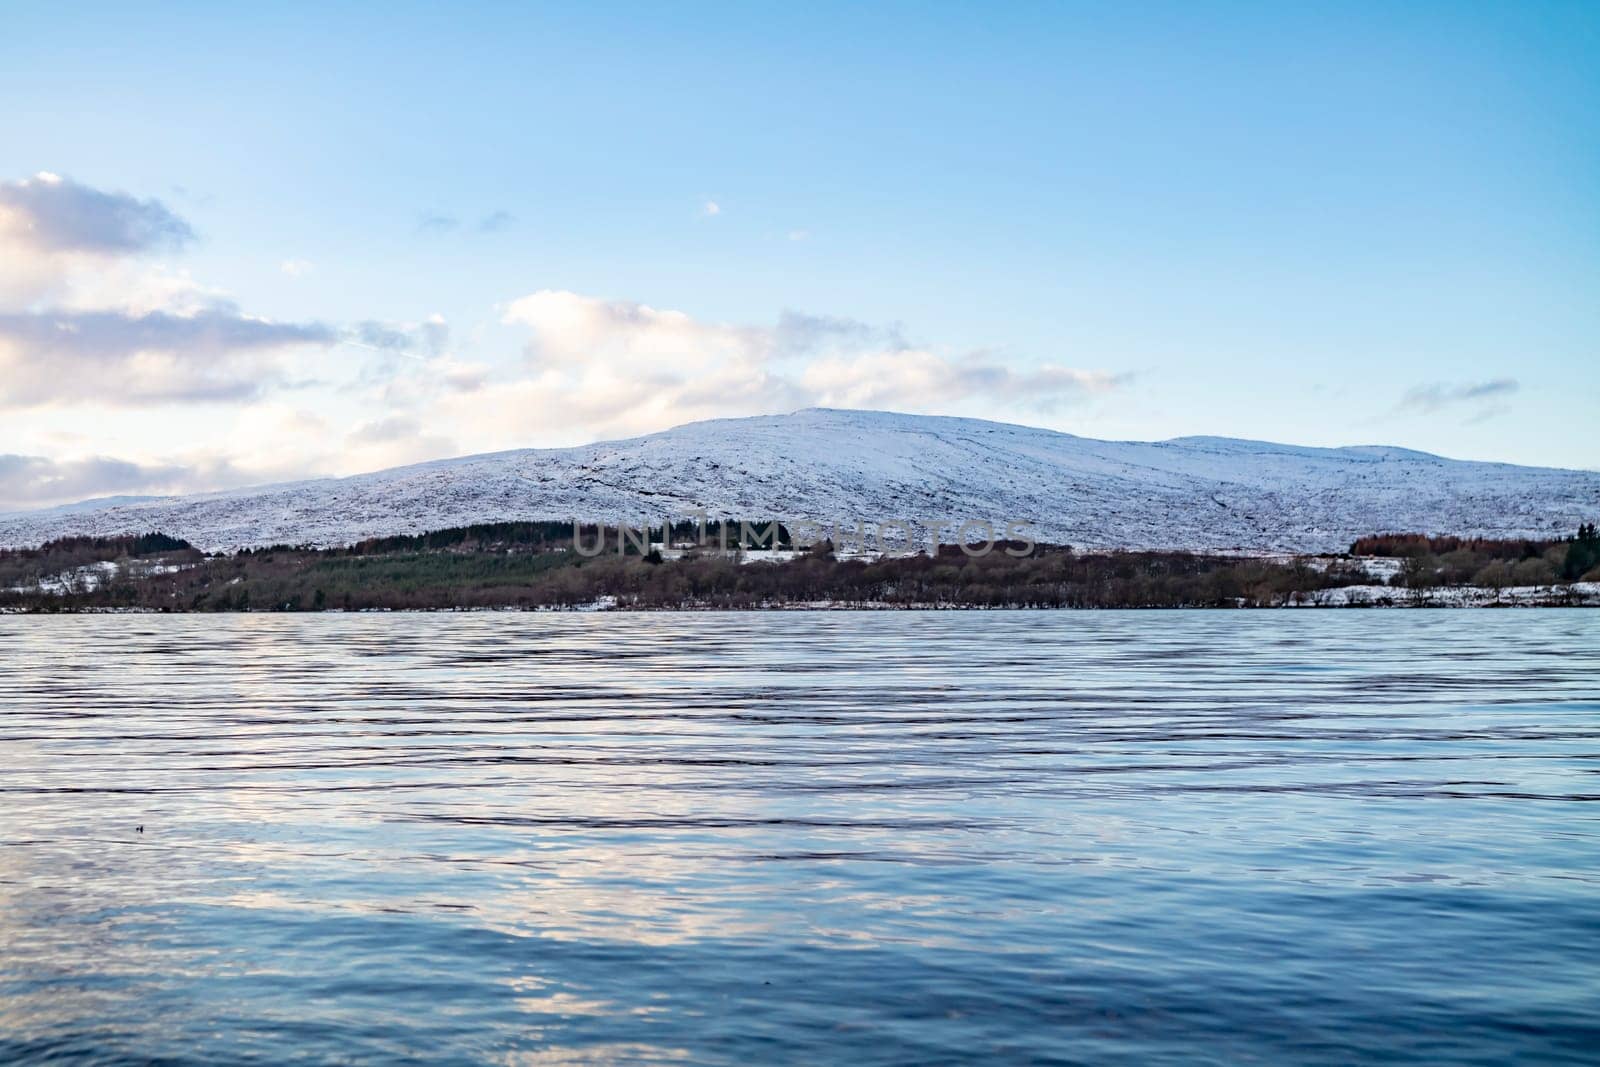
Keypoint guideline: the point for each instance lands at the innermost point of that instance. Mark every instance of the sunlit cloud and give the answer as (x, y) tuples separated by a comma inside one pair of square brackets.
[(38, 481), (619, 366), (56, 214), (84, 318), (272, 444), (115, 357), (57, 234)]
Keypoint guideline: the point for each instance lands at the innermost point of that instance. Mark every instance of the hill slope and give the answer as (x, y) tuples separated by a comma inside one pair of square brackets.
[(844, 466)]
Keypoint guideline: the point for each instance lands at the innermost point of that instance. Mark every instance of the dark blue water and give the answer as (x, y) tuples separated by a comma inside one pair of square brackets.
[(1200, 837)]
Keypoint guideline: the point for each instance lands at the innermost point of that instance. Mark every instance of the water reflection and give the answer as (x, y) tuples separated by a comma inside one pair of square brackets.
[(800, 838)]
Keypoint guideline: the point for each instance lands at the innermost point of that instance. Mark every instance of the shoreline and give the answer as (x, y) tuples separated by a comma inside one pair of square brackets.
[(1462, 599)]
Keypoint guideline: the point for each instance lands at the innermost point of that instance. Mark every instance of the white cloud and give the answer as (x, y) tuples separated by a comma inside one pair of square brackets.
[(41, 482), (711, 209), (297, 268), (568, 328), (136, 287), (918, 379), (115, 357), (416, 340), (265, 442), (601, 368), (392, 441), (56, 214), (84, 318)]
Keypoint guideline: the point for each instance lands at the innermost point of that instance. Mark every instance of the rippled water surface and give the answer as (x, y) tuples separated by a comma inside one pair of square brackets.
[(1220, 837)]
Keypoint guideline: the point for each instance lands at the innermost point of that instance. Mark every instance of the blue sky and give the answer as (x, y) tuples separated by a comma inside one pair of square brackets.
[(520, 225)]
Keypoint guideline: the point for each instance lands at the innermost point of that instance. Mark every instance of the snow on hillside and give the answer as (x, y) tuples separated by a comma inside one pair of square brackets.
[(862, 466)]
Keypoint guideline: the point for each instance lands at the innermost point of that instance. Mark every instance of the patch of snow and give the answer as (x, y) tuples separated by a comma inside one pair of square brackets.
[(1577, 594), (85, 579)]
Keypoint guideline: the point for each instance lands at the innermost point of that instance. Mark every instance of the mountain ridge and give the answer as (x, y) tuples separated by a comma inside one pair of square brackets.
[(840, 465)]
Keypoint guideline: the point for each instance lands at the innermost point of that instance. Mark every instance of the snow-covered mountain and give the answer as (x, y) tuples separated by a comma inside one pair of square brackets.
[(869, 467)]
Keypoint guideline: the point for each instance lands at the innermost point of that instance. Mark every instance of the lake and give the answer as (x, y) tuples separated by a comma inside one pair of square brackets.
[(832, 837)]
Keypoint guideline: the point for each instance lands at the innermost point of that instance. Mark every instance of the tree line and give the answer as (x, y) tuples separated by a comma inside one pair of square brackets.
[(535, 565)]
